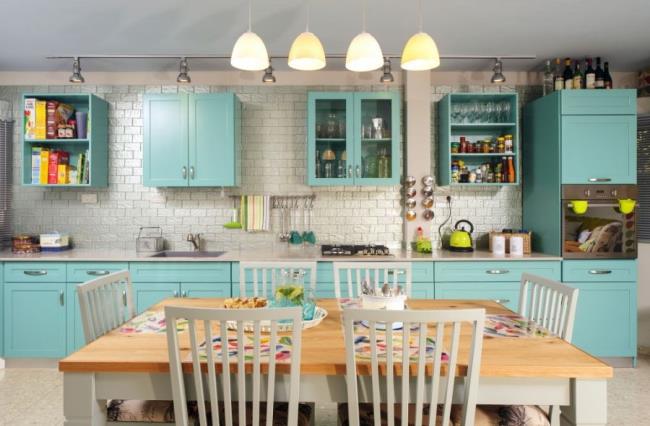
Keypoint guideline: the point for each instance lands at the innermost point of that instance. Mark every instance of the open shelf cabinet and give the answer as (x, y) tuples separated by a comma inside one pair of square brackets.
[(95, 145)]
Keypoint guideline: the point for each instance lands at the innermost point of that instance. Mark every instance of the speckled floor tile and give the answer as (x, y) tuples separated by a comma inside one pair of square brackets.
[(32, 396)]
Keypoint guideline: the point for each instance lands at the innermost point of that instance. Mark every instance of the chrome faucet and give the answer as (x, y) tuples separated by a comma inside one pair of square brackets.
[(195, 240)]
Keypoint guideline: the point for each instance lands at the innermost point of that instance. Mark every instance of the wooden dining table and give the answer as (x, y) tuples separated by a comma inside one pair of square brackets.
[(521, 370)]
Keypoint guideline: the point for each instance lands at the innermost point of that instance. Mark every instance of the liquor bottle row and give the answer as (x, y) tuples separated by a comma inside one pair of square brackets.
[(577, 76)]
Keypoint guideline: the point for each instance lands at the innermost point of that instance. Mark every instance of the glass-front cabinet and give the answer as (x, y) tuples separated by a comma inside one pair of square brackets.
[(353, 138)]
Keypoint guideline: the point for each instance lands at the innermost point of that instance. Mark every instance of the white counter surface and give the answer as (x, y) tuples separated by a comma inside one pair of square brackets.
[(293, 253)]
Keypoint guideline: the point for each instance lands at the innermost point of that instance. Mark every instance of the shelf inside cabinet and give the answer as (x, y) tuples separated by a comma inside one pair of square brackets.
[(330, 139), (484, 154), (56, 141), (481, 125)]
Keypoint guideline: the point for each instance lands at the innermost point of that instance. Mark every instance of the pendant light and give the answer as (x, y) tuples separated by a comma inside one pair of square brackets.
[(420, 52), (364, 52), (307, 53), (183, 76), (249, 52), (76, 76), (498, 76)]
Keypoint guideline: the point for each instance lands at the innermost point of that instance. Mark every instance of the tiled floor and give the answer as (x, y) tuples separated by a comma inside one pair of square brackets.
[(32, 396)]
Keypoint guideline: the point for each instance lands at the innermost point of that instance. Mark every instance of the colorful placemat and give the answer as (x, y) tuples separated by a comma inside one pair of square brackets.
[(282, 348), (512, 325), (150, 322)]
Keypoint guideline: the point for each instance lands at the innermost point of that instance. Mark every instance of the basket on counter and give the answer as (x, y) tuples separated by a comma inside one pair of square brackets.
[(527, 237)]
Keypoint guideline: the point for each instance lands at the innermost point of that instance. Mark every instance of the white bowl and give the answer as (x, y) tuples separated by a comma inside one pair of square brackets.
[(391, 303)]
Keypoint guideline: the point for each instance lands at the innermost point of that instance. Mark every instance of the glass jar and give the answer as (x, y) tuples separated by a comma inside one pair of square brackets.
[(383, 164), (290, 291), (486, 146), (508, 143), (455, 147), (501, 144)]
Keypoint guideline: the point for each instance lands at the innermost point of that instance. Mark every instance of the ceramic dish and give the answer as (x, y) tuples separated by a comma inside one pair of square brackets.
[(265, 326)]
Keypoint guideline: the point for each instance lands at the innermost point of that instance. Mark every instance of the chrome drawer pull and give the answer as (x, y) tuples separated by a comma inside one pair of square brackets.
[(35, 273), (600, 179), (502, 301), (191, 172), (497, 271), (184, 172), (399, 272), (124, 297), (600, 271), (61, 298), (98, 273)]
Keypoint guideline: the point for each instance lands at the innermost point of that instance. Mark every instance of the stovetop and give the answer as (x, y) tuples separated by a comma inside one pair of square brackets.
[(354, 250)]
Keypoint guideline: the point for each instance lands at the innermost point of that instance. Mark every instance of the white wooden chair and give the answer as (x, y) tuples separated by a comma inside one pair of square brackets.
[(375, 273), (262, 275), (201, 326), (422, 319)]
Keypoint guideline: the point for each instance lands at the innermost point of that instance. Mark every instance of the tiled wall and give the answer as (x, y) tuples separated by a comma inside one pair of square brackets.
[(273, 162)]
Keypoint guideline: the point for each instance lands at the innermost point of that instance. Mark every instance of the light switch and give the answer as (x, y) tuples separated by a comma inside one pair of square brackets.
[(89, 198)]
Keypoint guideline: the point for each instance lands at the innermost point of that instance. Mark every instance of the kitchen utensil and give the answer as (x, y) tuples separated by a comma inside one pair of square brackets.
[(428, 214), (427, 191), (308, 236), (427, 202), (378, 128), (385, 290), (410, 215), (461, 239), (149, 243), (498, 244), (411, 192), (427, 180), (516, 245), (410, 203), (409, 181)]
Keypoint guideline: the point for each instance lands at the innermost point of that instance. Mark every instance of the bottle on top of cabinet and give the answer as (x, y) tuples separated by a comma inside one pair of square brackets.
[(559, 79)]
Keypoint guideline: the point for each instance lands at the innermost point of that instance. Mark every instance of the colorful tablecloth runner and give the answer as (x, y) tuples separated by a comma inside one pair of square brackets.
[(513, 325), (150, 322), (282, 348)]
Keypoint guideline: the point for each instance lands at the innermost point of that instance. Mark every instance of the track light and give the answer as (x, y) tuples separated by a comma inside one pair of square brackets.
[(498, 76), (268, 74), (387, 76), (183, 76), (76, 76)]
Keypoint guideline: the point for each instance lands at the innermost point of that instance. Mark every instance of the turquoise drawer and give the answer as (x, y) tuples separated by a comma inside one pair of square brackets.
[(421, 272), (35, 272), (506, 293), (196, 272), (235, 276), (504, 271), (79, 272), (599, 270), (598, 102)]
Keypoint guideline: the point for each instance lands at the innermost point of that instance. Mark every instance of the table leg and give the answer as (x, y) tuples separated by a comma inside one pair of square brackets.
[(588, 403), (80, 404)]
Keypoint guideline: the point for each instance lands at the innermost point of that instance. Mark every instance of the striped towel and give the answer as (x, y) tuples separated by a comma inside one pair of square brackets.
[(255, 213)]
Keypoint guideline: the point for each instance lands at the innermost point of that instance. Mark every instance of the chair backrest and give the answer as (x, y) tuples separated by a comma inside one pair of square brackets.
[(418, 324), (202, 320), (105, 303), (549, 303), (262, 276), (375, 273)]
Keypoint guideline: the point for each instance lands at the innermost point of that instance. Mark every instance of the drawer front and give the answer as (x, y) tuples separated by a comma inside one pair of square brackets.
[(80, 272), (196, 272), (35, 272), (599, 270), (506, 293), (421, 272), (219, 290), (599, 102), (422, 290), (494, 271)]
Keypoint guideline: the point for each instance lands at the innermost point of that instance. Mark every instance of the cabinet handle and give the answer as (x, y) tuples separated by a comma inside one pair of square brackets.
[(600, 179), (191, 172), (400, 272), (502, 301), (358, 170), (497, 271), (175, 293), (98, 273), (184, 172), (61, 298), (35, 273), (124, 297), (349, 171), (600, 271)]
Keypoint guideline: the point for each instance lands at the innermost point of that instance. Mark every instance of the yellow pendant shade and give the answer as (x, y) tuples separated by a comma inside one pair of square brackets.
[(249, 53), (364, 54), (420, 53), (307, 53)]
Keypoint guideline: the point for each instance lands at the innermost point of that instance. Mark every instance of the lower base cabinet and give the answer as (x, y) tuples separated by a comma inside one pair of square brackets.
[(506, 293), (146, 295)]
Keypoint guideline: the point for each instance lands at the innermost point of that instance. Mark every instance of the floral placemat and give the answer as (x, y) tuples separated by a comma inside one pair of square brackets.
[(512, 325), (150, 322), (282, 348), (362, 347)]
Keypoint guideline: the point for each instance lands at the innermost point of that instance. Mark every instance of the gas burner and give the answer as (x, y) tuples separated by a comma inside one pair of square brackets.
[(354, 250)]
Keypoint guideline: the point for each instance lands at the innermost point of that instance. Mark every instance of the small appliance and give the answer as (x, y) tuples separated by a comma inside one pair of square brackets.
[(354, 250), (461, 239), (149, 241)]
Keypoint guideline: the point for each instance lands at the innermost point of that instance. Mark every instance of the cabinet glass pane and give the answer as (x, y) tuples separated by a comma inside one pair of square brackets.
[(376, 141), (331, 159)]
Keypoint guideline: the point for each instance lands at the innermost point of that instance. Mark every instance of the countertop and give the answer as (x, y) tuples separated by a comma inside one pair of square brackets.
[(292, 253)]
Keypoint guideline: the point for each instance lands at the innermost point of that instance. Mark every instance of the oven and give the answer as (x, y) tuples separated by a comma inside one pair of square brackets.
[(599, 221)]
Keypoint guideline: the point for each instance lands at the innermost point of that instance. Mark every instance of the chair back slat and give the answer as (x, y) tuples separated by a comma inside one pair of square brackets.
[(262, 276), (549, 303), (374, 273), (410, 320), (215, 321), (102, 308)]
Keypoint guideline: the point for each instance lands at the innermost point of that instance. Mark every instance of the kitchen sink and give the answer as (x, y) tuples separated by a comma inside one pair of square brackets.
[(189, 254)]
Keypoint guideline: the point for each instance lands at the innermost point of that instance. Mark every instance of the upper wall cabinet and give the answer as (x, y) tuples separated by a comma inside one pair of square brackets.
[(353, 138), (191, 139)]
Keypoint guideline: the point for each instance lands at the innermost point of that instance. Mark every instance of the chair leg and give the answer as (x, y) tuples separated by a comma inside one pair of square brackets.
[(554, 415)]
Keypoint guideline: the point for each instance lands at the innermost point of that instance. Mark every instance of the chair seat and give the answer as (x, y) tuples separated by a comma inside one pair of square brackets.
[(510, 415), (367, 418)]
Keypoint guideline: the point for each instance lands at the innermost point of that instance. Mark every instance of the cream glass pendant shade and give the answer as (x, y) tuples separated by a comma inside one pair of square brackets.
[(249, 53), (364, 54), (307, 53), (420, 53)]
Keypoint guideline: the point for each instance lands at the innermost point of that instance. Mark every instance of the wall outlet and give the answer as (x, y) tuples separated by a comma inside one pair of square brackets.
[(88, 198)]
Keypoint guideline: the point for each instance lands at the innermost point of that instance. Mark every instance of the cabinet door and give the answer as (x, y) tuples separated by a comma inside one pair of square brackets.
[(422, 291), (330, 154), (165, 161), (377, 138), (220, 290), (212, 139), (506, 293), (599, 149), (148, 294), (605, 323), (35, 320)]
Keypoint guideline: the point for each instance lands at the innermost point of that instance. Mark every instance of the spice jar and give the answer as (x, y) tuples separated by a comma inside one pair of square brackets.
[(486, 146), (508, 143), (463, 145), (501, 144), (455, 147)]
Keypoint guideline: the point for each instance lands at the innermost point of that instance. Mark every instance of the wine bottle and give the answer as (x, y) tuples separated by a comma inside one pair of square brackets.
[(577, 77), (590, 76), (548, 82), (559, 80), (600, 75), (609, 84), (568, 74)]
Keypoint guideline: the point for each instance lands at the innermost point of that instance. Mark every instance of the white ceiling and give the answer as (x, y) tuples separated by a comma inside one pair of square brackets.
[(30, 30)]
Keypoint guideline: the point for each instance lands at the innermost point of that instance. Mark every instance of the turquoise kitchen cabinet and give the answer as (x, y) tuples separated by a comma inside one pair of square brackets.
[(33, 272), (35, 319), (2, 331), (495, 271), (191, 140), (353, 138), (146, 295), (324, 289), (506, 293), (218, 290), (598, 102)]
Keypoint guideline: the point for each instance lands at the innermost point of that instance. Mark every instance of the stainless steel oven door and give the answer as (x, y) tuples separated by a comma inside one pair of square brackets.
[(598, 229)]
